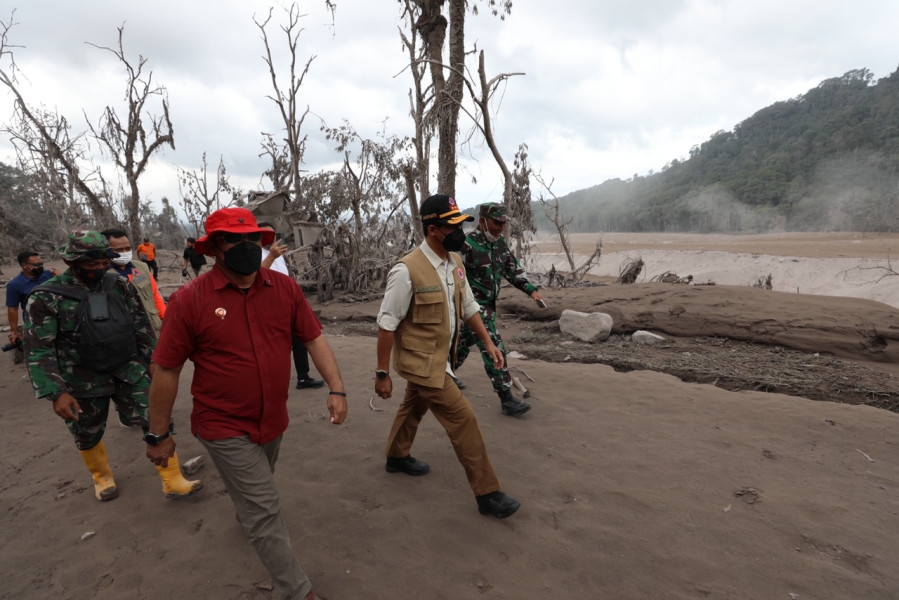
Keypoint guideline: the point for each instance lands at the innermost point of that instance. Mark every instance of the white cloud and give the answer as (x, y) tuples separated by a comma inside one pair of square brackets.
[(611, 88)]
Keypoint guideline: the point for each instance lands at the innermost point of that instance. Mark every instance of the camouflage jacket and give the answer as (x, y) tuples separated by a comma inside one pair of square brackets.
[(487, 263), (51, 344)]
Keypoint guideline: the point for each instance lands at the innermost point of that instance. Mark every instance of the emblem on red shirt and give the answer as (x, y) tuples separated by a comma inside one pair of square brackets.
[(220, 313)]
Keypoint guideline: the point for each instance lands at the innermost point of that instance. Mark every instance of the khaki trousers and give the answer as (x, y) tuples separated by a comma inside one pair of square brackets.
[(453, 411), (247, 470)]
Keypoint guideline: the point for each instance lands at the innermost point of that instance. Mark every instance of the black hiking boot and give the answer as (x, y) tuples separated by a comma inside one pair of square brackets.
[(511, 405)]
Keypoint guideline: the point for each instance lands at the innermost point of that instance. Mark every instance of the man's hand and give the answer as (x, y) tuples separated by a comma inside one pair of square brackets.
[(496, 354), (183, 272), (538, 299), (67, 407), (160, 455), (384, 387), (278, 248), (15, 336), (337, 408)]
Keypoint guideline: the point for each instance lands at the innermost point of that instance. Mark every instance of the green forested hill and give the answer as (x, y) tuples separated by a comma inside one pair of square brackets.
[(826, 160)]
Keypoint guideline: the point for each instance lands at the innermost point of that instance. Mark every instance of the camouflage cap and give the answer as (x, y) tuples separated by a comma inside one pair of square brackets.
[(494, 210), (87, 244)]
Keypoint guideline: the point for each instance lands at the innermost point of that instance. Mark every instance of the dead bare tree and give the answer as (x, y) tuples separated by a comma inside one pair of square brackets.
[(432, 27), (581, 272), (483, 119), (519, 203), (286, 98), (370, 187), (448, 91), (279, 172), (516, 185), (197, 199), (132, 140), (416, 172), (551, 209), (881, 272), (47, 149)]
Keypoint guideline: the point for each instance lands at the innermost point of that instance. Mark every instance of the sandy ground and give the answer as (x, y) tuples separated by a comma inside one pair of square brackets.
[(633, 485)]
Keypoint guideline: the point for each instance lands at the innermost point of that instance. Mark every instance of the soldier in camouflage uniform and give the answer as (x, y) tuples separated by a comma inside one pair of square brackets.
[(488, 259), (80, 394)]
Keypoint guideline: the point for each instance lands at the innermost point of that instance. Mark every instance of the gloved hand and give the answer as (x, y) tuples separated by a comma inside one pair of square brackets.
[(183, 272)]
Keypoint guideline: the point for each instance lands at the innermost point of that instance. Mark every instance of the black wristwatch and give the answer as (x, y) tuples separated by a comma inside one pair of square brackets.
[(381, 374), (154, 440)]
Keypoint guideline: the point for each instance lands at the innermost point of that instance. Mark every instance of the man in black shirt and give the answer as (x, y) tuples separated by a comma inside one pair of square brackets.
[(193, 257)]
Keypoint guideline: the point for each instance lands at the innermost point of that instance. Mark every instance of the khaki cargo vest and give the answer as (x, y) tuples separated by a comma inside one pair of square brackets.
[(144, 286), (422, 340)]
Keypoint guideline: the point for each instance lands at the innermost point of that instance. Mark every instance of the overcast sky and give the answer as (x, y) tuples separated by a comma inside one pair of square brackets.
[(612, 88)]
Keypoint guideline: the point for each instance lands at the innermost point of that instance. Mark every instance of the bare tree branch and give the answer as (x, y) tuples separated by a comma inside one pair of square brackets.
[(128, 140), (286, 98), (43, 142), (196, 200), (551, 209)]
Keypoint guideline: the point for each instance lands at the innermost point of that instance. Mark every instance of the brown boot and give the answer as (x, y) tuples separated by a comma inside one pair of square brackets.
[(173, 482), (97, 462)]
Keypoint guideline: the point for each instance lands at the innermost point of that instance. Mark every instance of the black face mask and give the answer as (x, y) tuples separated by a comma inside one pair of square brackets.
[(244, 258), (453, 242), (90, 276), (37, 271)]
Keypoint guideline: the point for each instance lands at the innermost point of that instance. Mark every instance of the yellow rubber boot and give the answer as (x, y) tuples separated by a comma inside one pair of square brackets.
[(173, 482), (97, 462)]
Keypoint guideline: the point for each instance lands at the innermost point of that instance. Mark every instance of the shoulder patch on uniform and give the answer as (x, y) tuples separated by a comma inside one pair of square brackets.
[(422, 289)]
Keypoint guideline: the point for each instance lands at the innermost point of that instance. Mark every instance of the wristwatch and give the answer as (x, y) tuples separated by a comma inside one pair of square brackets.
[(381, 374), (154, 440)]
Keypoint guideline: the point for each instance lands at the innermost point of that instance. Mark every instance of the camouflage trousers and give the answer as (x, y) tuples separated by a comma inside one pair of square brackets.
[(500, 378), (132, 403)]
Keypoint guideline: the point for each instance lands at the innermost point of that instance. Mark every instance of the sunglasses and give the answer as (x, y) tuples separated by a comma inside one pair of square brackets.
[(35, 265), (236, 238)]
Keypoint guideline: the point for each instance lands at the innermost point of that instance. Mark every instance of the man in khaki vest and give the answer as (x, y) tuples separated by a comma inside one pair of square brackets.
[(426, 300), (139, 274)]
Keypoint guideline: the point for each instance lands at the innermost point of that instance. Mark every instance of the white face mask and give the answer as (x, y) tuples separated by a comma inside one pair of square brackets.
[(490, 237), (123, 259)]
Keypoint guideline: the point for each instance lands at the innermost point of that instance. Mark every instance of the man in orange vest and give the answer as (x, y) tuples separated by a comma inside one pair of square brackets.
[(147, 253)]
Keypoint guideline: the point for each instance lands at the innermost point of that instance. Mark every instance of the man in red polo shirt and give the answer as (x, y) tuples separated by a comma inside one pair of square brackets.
[(236, 323)]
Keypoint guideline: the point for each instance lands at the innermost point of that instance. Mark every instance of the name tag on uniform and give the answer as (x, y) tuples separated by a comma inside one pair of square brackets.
[(423, 289)]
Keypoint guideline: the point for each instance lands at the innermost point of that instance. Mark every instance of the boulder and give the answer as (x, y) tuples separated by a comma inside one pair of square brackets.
[(587, 327), (646, 338)]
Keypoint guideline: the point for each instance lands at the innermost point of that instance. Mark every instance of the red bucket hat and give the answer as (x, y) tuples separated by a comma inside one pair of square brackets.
[(231, 220)]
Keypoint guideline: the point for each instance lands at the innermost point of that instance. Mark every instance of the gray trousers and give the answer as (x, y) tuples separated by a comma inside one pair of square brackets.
[(247, 469)]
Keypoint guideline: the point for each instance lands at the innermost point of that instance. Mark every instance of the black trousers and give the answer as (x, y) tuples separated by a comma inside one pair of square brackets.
[(300, 358)]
